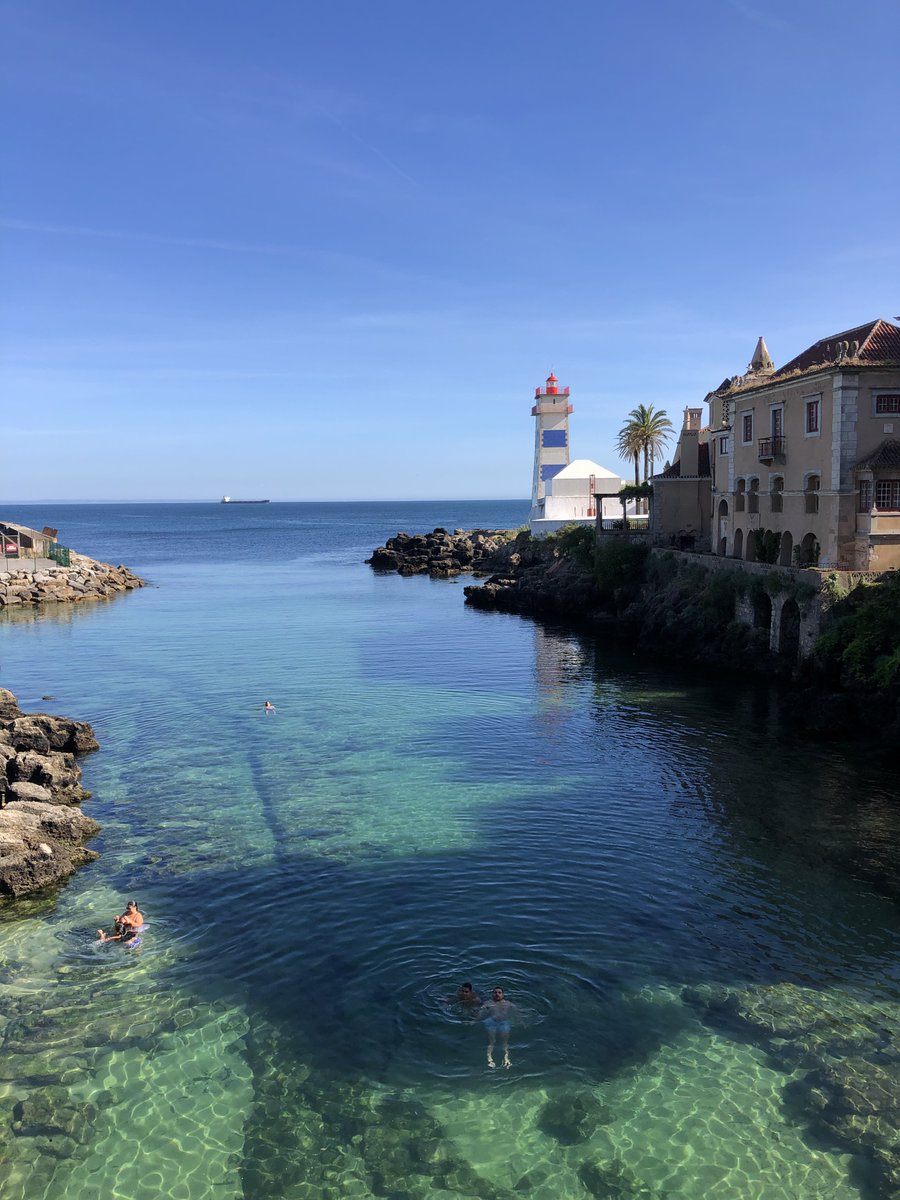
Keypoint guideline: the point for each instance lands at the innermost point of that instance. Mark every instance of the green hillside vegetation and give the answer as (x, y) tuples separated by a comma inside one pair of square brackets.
[(861, 647)]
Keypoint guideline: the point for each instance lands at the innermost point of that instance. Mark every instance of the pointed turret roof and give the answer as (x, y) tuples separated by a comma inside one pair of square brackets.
[(761, 362)]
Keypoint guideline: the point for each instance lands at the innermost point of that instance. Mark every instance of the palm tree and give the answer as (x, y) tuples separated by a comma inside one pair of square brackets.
[(644, 433), (629, 447)]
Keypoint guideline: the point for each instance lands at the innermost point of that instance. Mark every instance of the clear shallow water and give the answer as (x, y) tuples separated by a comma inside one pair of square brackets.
[(443, 794)]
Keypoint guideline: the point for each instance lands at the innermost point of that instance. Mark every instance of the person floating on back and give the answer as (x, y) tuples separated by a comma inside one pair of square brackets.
[(496, 1014), (127, 925), (268, 708)]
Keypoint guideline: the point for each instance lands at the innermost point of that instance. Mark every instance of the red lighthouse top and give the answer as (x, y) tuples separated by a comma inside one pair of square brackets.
[(551, 388)]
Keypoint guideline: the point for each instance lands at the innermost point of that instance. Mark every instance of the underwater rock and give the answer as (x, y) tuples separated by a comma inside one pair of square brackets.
[(573, 1117), (797, 1026), (850, 1095), (50, 1112), (857, 1103), (306, 1131), (612, 1180)]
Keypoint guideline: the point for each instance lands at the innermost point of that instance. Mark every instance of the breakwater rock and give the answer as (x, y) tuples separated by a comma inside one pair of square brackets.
[(439, 554), (84, 579), (42, 831)]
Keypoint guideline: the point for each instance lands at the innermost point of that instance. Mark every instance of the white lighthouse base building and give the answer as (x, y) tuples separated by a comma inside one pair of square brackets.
[(569, 497)]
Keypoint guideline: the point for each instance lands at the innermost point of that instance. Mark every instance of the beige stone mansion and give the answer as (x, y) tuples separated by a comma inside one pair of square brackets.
[(810, 452)]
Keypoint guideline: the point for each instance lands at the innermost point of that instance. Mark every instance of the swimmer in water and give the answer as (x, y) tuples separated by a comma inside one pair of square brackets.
[(127, 925), (268, 708), (496, 1015), (466, 995)]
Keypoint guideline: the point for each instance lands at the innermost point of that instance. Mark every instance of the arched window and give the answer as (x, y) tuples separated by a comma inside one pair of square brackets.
[(753, 496), (811, 492), (740, 490), (776, 492), (808, 551), (738, 543), (723, 527)]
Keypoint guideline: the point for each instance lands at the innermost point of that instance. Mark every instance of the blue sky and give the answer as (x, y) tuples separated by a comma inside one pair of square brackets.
[(327, 251)]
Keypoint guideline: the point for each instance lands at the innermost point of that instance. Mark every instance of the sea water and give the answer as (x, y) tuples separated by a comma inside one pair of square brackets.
[(441, 795)]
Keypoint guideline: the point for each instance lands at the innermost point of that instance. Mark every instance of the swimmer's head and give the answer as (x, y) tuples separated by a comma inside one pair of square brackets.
[(131, 904), (497, 994)]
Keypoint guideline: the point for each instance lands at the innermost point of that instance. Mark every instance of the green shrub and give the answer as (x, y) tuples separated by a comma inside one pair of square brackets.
[(768, 545), (862, 644), (619, 563), (575, 542)]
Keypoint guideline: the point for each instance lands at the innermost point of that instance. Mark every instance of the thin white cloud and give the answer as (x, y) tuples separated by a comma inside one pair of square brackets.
[(367, 145), (757, 15), (158, 238)]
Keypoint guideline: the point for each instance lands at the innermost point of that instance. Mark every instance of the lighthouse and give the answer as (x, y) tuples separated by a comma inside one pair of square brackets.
[(551, 439), (564, 492)]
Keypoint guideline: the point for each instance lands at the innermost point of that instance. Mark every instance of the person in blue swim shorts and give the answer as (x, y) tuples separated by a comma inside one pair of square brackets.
[(496, 1015)]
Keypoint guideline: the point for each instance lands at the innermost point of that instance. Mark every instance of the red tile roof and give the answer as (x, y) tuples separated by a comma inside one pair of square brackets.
[(877, 342)]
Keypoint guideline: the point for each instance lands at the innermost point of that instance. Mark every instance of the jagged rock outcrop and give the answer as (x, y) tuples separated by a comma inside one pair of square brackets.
[(534, 577), (42, 832), (84, 579), (439, 554)]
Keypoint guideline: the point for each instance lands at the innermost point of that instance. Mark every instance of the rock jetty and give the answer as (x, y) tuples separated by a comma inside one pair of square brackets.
[(439, 554), (42, 831), (84, 579)]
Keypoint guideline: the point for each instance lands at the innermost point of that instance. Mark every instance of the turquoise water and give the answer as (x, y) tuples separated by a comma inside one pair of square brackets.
[(442, 795)]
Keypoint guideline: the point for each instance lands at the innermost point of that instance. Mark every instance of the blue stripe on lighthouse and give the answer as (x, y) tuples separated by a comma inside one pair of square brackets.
[(553, 437), (547, 472)]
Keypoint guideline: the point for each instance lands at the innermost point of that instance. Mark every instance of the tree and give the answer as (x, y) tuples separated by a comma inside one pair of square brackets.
[(644, 433), (629, 447)]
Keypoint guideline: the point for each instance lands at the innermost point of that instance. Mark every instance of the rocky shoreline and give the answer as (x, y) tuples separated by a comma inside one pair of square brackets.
[(84, 579), (537, 578), (42, 830), (439, 554)]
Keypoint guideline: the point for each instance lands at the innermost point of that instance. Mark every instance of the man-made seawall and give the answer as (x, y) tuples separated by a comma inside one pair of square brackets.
[(46, 583), (42, 830)]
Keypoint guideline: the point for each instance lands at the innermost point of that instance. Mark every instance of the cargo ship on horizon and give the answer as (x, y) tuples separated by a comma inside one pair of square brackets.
[(228, 500)]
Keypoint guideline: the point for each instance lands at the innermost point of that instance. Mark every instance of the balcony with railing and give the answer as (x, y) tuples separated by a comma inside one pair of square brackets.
[(771, 447), (638, 524)]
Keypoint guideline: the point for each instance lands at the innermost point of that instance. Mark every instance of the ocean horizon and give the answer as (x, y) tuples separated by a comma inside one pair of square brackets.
[(684, 902)]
